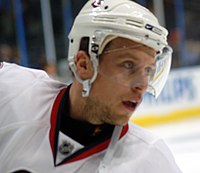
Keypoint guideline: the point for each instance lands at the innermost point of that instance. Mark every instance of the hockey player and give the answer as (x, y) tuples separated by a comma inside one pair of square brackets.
[(117, 52)]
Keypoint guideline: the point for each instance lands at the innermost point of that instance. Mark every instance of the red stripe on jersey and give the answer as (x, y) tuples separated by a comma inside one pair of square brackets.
[(54, 115)]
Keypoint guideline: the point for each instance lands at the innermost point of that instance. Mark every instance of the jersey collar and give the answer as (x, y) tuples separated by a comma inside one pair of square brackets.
[(54, 137)]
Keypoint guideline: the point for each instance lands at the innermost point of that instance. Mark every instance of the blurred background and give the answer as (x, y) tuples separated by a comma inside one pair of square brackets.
[(33, 33)]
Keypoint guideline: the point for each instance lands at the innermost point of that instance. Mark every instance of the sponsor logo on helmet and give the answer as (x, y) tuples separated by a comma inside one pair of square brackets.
[(97, 3), (95, 48), (153, 29)]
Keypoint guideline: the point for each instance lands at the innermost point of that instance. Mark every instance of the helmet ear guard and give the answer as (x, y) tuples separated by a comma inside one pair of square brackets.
[(86, 83), (120, 18)]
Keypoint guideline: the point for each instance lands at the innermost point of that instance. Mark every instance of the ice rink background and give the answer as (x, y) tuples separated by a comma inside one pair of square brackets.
[(183, 138)]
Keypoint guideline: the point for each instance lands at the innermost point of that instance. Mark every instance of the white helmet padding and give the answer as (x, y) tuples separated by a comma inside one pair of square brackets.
[(104, 20)]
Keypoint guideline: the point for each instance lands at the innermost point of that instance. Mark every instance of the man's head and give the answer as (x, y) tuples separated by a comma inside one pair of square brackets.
[(104, 20), (117, 52)]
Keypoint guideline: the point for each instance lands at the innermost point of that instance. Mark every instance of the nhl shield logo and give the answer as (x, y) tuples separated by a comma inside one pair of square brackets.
[(66, 148), (97, 3)]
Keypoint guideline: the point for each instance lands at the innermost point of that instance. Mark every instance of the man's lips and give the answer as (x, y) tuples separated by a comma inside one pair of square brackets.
[(130, 105)]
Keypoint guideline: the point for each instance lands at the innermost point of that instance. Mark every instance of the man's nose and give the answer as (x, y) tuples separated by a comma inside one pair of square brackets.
[(139, 83)]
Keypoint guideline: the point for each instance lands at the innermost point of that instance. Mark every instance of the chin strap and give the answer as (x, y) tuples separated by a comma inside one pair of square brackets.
[(86, 88)]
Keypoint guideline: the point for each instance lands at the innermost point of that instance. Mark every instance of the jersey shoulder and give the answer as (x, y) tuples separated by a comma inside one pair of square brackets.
[(146, 137), (152, 146), (15, 79), (16, 72), (25, 94)]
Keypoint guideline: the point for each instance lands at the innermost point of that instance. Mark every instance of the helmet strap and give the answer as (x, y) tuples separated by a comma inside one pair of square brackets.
[(86, 87)]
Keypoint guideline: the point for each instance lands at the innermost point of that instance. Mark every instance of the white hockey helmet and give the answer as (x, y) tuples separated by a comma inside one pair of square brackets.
[(103, 20)]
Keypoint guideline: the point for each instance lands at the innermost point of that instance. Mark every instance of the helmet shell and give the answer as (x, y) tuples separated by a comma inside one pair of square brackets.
[(122, 18)]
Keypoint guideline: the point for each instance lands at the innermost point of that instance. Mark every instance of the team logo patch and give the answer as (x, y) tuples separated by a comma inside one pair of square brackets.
[(66, 148), (97, 3)]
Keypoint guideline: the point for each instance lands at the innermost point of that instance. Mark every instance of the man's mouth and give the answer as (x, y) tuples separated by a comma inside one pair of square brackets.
[(130, 105)]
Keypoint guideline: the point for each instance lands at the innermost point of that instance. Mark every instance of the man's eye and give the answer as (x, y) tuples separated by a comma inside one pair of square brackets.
[(128, 65), (149, 71)]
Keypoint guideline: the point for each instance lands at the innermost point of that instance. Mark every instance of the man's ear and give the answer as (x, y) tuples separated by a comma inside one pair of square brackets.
[(84, 65)]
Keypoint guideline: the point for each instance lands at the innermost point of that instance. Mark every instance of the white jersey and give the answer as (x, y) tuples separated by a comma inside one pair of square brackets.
[(30, 139)]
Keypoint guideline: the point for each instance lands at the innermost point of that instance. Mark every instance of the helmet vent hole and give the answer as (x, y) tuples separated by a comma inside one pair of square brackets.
[(72, 40), (106, 7)]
